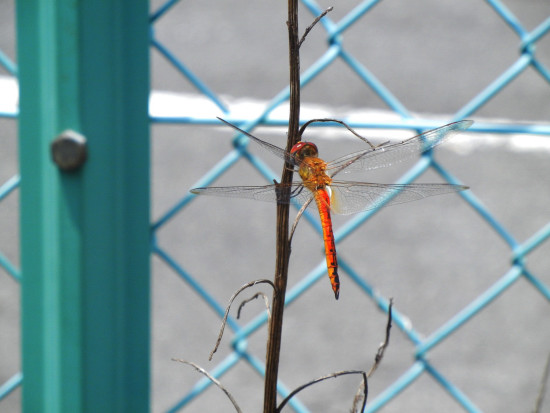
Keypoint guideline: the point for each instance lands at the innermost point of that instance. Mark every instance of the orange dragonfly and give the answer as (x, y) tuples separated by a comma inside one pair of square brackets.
[(344, 197)]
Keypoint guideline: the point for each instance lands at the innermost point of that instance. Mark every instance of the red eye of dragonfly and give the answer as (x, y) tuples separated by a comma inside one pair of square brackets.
[(304, 149), (345, 197)]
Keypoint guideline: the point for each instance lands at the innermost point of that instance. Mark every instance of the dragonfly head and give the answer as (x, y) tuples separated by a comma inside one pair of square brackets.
[(304, 150)]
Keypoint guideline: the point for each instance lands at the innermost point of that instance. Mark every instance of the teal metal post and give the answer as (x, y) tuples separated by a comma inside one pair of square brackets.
[(83, 65)]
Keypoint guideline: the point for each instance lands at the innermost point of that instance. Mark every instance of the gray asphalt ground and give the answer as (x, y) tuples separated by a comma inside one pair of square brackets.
[(433, 257)]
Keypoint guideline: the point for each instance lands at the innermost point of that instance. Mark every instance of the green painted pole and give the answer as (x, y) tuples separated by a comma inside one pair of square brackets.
[(83, 66)]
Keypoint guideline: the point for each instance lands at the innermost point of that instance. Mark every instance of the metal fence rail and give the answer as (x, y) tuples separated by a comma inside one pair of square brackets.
[(80, 308), (519, 251)]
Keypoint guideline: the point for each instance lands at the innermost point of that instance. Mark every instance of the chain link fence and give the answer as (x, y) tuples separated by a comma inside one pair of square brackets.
[(469, 274)]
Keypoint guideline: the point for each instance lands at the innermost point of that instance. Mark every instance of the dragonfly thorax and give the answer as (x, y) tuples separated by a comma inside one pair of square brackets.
[(304, 150), (313, 173)]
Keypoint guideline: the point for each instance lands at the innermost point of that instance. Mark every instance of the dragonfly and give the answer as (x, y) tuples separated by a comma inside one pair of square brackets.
[(344, 197)]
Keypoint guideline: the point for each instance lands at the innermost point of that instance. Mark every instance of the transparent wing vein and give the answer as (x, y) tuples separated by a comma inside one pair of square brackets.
[(352, 197)]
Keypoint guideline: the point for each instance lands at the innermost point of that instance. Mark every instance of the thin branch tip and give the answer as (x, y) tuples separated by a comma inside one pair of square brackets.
[(364, 384), (212, 379), (341, 122), (543, 385), (246, 301), (323, 14), (226, 315)]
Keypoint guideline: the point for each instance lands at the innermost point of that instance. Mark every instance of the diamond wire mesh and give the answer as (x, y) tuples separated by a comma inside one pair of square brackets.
[(10, 275), (336, 51), (519, 251)]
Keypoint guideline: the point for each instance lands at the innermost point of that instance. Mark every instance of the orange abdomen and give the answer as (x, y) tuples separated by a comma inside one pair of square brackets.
[(323, 204)]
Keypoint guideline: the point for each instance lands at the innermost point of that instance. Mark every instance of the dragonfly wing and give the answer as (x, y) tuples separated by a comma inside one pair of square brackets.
[(275, 150), (268, 193), (351, 197), (390, 154)]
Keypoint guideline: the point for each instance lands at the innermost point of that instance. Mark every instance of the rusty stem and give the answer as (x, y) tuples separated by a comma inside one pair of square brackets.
[(283, 244)]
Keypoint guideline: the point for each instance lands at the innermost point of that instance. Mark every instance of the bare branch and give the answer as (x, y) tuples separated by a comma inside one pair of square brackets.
[(323, 14), (330, 376), (274, 338), (258, 294), (224, 321), (377, 359), (213, 380), (309, 122), (385, 344), (298, 216), (543, 385)]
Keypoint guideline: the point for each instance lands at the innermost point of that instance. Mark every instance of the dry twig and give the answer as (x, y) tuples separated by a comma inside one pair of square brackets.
[(543, 385), (224, 321), (309, 122), (266, 302), (330, 376), (323, 14), (213, 380), (385, 344), (377, 358), (298, 216)]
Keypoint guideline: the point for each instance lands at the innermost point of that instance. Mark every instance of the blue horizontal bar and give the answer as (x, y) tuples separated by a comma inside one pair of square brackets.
[(412, 123), (10, 115)]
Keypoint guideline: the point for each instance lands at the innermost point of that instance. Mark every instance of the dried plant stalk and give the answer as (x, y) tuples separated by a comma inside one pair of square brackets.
[(224, 321), (364, 386), (543, 385), (283, 244), (213, 380), (359, 396)]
